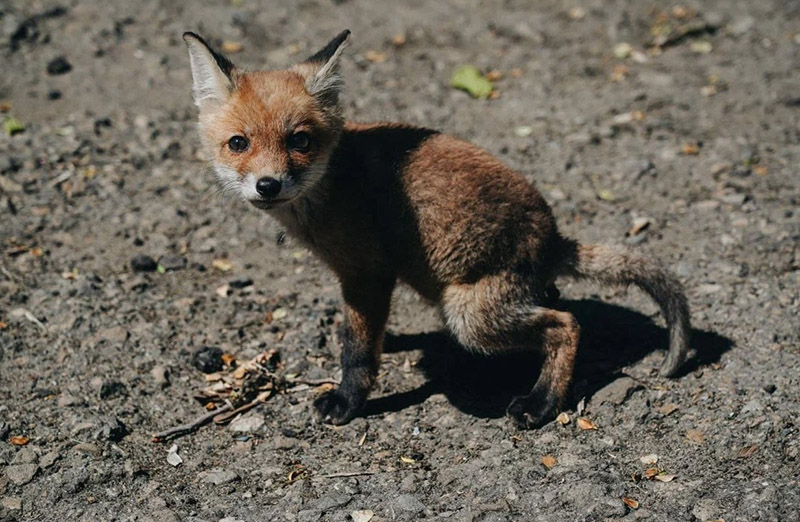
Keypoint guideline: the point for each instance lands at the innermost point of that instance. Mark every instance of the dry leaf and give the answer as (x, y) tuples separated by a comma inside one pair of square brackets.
[(631, 503), (649, 473), (232, 47), (375, 56), (279, 313), (494, 75), (19, 440), (516, 72), (222, 264), (223, 290), (747, 451), (760, 170), (563, 418), (690, 149), (37, 252), (3, 325), (549, 461), (586, 424), (606, 195), (664, 477), (619, 73), (639, 225), (228, 359), (576, 13), (668, 409), (622, 50), (408, 460), (696, 436), (649, 460), (399, 39)]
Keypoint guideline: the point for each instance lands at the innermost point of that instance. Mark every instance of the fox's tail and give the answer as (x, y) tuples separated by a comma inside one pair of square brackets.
[(619, 265)]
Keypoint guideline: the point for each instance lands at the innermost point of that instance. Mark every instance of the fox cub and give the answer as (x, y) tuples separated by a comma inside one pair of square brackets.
[(384, 202)]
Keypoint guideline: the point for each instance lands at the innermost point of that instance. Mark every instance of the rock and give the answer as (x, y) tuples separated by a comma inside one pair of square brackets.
[(112, 430), (5, 429), (48, 459), (59, 65), (327, 503), (616, 392), (11, 503), (309, 515), (240, 283), (25, 456), (284, 443), (770, 388), (753, 406), (20, 474), (164, 515), (207, 359), (65, 400), (409, 503), (110, 388), (143, 263), (364, 515), (89, 448), (218, 476), (160, 375), (172, 262), (247, 424)]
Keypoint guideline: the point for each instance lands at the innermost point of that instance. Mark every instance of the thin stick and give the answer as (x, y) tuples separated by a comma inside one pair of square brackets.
[(348, 474), (189, 427), (313, 382)]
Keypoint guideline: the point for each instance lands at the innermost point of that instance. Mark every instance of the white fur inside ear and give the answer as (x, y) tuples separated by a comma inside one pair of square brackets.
[(209, 83), (326, 81)]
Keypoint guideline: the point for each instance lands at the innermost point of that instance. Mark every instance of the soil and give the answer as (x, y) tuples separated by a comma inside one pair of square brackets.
[(95, 356)]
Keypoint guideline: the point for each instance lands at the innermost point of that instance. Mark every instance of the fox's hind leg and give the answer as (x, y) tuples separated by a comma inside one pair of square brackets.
[(497, 314)]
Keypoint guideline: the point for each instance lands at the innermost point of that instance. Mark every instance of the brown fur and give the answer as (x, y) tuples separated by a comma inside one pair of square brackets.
[(385, 202)]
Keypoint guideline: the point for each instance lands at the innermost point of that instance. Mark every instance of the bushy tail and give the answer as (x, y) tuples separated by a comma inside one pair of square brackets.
[(619, 265)]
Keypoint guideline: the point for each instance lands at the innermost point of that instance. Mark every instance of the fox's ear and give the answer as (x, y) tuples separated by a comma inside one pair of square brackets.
[(211, 72), (322, 71)]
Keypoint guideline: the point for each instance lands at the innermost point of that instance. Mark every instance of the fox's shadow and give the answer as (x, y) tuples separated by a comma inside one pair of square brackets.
[(612, 337)]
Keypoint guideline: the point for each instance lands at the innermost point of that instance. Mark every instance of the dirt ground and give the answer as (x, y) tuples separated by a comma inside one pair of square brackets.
[(700, 143)]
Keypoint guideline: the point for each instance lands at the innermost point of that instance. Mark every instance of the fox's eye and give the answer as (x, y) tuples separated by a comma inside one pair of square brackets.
[(299, 141), (238, 143)]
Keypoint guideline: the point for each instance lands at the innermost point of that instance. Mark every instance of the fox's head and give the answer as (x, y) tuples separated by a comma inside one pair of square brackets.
[(269, 134)]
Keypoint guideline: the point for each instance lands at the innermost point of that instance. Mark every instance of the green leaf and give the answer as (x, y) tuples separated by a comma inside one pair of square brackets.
[(160, 269), (470, 79), (12, 125)]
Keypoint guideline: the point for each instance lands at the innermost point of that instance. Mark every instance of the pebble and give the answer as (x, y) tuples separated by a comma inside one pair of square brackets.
[(88, 447), (247, 424), (218, 476), (409, 503), (48, 459), (65, 400), (143, 263), (20, 474), (25, 456), (172, 262), (112, 430), (207, 359), (111, 388), (11, 503), (59, 65), (616, 392)]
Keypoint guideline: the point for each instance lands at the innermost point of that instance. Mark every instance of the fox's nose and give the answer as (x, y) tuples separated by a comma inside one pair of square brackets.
[(268, 187)]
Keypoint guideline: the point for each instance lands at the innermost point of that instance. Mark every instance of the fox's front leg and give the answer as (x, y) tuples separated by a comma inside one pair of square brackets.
[(367, 301)]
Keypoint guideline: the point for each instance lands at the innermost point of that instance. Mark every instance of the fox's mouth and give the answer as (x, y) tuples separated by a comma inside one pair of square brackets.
[(267, 204)]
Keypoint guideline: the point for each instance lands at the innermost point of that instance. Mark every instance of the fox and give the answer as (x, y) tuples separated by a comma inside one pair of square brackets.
[(388, 203)]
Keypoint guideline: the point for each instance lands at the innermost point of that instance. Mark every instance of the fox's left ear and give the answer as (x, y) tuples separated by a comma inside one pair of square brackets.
[(212, 73), (321, 71)]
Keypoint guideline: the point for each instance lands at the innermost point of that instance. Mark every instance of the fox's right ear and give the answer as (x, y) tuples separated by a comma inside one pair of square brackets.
[(212, 80), (321, 71)]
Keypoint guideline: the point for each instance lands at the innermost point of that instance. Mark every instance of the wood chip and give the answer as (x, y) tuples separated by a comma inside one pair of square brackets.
[(375, 56), (690, 149), (399, 39), (586, 424), (747, 451), (19, 440), (649, 473), (631, 503), (664, 477), (695, 436), (231, 47), (222, 264), (549, 461), (563, 418)]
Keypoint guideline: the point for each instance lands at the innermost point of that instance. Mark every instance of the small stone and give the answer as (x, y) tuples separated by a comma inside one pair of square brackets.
[(89, 448), (172, 456), (363, 515), (218, 476), (113, 431), (240, 283), (143, 263), (770, 388), (284, 443), (65, 400), (11, 503), (622, 50), (49, 459), (59, 65), (25, 456), (160, 375), (410, 503), (172, 262), (207, 359), (20, 474), (616, 392), (247, 424), (111, 388), (54, 95)]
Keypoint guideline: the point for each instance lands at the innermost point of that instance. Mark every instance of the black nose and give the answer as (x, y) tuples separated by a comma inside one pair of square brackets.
[(268, 187)]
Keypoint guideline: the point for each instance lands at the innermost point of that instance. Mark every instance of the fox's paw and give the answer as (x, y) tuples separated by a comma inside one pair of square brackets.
[(531, 411), (335, 407)]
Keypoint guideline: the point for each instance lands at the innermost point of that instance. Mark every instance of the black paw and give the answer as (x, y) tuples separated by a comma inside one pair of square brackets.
[(335, 407), (531, 411)]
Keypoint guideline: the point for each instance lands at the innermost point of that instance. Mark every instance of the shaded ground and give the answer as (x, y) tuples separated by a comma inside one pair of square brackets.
[(107, 169)]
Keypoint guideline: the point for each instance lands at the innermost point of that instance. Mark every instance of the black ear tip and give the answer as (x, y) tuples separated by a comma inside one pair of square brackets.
[(189, 35)]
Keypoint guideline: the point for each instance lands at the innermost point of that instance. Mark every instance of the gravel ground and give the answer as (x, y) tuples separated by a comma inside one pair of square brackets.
[(700, 142)]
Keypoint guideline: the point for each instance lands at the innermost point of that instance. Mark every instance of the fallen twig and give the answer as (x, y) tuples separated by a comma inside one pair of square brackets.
[(348, 474), (313, 382), (189, 427)]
